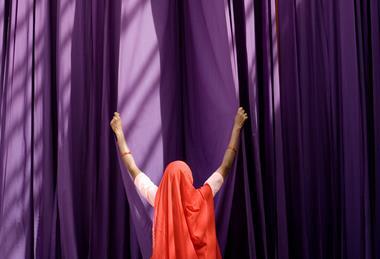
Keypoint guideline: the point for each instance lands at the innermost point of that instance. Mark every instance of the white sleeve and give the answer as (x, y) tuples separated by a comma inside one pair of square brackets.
[(146, 187), (215, 181)]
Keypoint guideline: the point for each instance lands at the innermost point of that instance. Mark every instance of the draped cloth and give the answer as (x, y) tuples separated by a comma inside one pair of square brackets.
[(306, 182), (184, 220)]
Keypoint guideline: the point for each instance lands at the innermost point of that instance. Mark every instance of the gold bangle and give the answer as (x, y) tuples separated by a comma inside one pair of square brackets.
[(126, 153), (233, 149)]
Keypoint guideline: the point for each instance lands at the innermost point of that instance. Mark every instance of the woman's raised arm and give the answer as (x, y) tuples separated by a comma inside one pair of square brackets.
[(229, 155), (125, 153)]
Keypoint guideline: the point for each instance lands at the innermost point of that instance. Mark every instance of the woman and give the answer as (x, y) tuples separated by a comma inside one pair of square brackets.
[(184, 220)]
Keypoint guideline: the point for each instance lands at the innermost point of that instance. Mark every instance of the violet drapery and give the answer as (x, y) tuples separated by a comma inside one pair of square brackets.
[(329, 70), (305, 181)]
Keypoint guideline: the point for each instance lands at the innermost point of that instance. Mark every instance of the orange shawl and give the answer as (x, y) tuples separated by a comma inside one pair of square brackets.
[(184, 224)]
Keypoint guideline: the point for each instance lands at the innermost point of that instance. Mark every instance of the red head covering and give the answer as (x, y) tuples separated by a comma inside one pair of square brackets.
[(184, 223)]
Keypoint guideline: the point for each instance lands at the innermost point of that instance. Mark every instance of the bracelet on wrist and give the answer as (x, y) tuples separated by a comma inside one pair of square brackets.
[(126, 153), (232, 148)]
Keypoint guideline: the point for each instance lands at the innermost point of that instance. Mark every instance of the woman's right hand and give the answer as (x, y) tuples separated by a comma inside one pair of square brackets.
[(116, 125)]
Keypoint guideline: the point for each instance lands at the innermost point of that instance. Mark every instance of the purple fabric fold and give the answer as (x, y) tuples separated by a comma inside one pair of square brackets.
[(305, 183)]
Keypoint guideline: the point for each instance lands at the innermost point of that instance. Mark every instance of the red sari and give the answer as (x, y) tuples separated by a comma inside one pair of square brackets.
[(184, 222)]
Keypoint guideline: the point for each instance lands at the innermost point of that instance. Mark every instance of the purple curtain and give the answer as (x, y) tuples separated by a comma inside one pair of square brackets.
[(305, 182), (329, 71)]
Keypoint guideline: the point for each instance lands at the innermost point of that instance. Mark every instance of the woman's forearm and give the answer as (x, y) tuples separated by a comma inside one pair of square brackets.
[(126, 156), (125, 153), (230, 153)]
